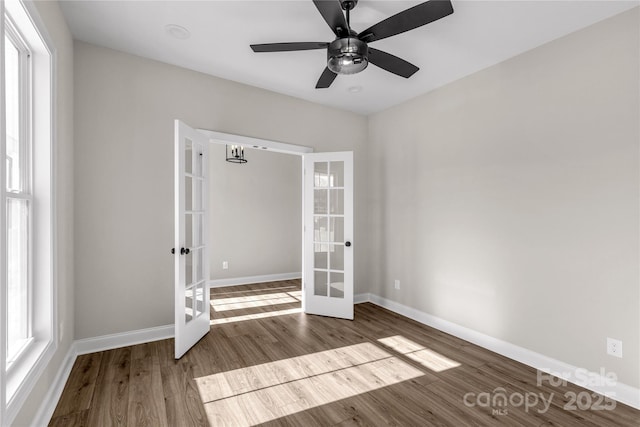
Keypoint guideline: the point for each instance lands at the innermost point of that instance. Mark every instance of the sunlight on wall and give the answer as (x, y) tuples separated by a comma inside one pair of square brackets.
[(418, 353), (266, 392)]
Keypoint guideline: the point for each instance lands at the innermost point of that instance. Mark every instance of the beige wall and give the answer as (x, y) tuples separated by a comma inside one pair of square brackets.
[(255, 214), (508, 201), (124, 111), (63, 171)]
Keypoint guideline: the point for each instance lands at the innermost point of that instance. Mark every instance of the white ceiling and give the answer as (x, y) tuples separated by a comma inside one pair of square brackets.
[(477, 35)]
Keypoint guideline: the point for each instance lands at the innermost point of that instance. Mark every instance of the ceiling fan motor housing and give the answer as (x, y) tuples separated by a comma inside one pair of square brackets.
[(347, 55)]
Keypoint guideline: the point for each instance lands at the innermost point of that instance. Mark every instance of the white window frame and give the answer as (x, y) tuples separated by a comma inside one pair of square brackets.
[(18, 380), (25, 193)]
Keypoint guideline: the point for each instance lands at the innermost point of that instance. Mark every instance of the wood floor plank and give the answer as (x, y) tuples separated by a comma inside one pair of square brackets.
[(78, 392), (260, 365), (112, 389), (183, 402), (146, 406), (77, 419)]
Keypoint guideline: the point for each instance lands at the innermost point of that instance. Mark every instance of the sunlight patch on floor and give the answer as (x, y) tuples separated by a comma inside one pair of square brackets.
[(296, 294), (419, 353), (262, 393), (225, 320), (251, 302), (221, 292)]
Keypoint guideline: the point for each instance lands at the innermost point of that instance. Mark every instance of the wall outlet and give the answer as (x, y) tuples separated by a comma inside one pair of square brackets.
[(614, 347), (396, 284), (225, 265)]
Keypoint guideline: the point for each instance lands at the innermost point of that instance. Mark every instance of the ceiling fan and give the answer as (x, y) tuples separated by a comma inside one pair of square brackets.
[(350, 53)]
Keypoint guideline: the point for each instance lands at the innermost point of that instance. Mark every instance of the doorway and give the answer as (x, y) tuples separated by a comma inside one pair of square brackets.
[(327, 219)]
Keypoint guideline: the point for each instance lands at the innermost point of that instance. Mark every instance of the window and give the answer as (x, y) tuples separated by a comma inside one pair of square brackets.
[(19, 199), (27, 336)]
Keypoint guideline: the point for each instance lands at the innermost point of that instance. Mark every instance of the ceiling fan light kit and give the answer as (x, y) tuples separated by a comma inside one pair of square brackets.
[(350, 53)]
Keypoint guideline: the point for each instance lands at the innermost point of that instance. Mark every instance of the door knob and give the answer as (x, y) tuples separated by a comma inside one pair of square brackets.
[(184, 251), (173, 250), (347, 244)]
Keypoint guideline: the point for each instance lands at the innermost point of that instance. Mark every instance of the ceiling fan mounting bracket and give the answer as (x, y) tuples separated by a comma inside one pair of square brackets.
[(348, 4)]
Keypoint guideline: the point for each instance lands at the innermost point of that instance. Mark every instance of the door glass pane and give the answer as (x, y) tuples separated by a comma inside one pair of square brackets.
[(188, 193), (320, 256), (188, 304), (321, 174), (337, 257), (188, 230), (17, 277), (200, 298), (199, 265), (336, 229), (197, 161), (320, 229), (320, 201), (197, 230), (337, 285), (188, 268), (188, 155), (337, 202), (337, 174), (320, 283), (197, 194), (12, 110)]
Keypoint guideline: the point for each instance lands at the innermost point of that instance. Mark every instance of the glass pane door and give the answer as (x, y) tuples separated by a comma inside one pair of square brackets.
[(328, 234), (192, 272)]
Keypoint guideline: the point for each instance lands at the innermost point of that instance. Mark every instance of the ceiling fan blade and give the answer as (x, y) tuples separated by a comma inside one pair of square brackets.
[(391, 63), (326, 78), (331, 11), (409, 19), (287, 47)]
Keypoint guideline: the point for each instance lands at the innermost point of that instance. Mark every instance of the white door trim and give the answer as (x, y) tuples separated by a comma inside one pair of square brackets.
[(255, 143)]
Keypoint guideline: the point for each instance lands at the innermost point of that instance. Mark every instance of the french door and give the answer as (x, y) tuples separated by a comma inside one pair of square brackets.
[(190, 251), (328, 234)]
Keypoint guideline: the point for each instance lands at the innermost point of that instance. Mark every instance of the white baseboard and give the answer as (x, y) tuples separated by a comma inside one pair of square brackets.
[(108, 342), (620, 392), (233, 281)]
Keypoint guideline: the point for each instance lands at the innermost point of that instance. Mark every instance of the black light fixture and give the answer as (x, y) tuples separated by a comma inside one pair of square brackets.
[(237, 154)]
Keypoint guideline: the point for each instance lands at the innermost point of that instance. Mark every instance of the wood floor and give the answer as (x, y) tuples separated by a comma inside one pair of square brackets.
[(266, 363)]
